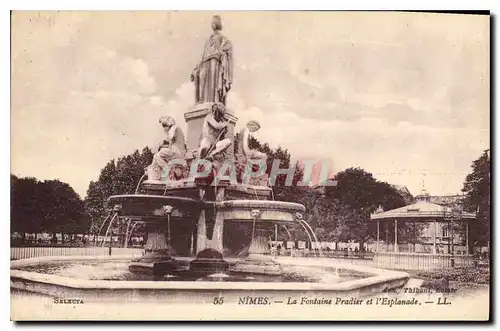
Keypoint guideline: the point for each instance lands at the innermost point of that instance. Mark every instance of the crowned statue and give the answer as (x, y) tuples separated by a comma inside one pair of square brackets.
[(213, 76)]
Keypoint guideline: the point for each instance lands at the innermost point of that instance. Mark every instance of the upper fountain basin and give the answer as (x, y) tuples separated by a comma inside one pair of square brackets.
[(143, 207)]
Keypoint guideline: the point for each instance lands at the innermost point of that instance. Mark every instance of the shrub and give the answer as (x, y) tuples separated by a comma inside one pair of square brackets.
[(459, 274)]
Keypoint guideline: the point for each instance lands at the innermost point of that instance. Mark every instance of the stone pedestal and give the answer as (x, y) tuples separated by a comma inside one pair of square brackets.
[(202, 240), (259, 259), (194, 119), (208, 261), (259, 248), (156, 242), (201, 235), (157, 259)]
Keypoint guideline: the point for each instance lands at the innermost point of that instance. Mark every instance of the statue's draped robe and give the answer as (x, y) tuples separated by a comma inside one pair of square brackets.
[(178, 141), (176, 149), (215, 70)]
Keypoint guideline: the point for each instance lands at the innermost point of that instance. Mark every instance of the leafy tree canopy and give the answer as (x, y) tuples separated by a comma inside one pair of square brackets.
[(46, 206), (477, 191)]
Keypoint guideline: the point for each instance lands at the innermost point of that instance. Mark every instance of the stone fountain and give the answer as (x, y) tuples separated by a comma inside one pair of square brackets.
[(176, 198), (195, 186)]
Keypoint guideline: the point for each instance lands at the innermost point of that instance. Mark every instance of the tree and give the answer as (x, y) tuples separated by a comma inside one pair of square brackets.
[(330, 220), (98, 193), (25, 216), (477, 199), (117, 177), (62, 208), (356, 195), (51, 206)]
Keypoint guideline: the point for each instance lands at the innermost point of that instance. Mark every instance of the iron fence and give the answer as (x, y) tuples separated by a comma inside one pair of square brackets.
[(384, 260), (421, 261), (17, 253), (392, 260)]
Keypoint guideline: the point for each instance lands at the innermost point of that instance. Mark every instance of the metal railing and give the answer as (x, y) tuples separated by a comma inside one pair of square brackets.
[(17, 253), (391, 260), (421, 261), (384, 260)]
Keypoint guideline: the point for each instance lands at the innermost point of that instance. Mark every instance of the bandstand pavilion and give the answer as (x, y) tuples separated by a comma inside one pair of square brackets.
[(427, 228)]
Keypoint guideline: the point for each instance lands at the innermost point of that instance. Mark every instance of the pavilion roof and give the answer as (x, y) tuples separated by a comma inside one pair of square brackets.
[(420, 209)]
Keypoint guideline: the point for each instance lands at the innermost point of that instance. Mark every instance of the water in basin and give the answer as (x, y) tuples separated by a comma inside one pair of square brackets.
[(119, 270)]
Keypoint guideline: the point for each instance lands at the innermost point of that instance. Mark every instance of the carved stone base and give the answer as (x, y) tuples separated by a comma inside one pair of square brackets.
[(208, 261), (157, 259), (215, 242), (259, 246), (258, 260), (154, 269)]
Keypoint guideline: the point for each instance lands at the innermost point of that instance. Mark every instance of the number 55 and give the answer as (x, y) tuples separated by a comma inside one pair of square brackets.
[(218, 300)]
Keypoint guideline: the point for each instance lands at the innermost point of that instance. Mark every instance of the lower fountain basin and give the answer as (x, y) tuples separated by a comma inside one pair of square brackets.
[(300, 278)]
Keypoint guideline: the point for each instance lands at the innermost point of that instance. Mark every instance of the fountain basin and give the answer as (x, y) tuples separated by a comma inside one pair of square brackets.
[(143, 206), (52, 285), (269, 211), (177, 215)]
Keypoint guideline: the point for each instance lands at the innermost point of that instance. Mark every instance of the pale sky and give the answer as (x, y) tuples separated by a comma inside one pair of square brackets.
[(405, 96)]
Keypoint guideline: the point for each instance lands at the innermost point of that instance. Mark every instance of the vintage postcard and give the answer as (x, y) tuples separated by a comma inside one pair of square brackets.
[(250, 166)]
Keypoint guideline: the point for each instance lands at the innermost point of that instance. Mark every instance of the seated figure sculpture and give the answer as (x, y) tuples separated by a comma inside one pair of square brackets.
[(244, 148), (246, 155), (213, 140), (174, 146)]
